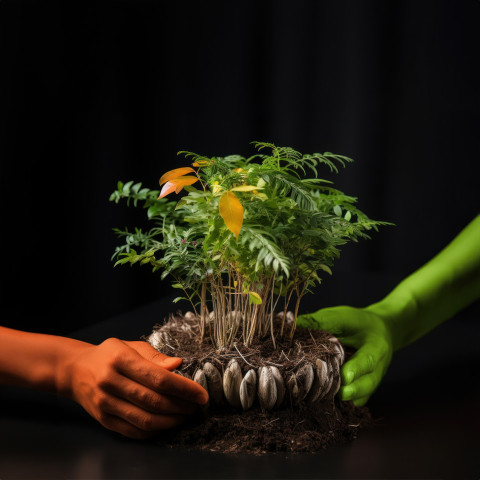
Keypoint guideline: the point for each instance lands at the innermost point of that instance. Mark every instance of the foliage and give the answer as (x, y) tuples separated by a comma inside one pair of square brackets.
[(255, 230)]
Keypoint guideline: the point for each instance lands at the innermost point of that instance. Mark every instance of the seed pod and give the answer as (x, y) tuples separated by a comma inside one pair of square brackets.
[(211, 316), (322, 370), (165, 338), (214, 382), (235, 317), (329, 383), (189, 315), (337, 382), (304, 377), (289, 317), (232, 379), (201, 379), (316, 389), (336, 378), (248, 389), (155, 340), (280, 384), (339, 351), (267, 389), (293, 388)]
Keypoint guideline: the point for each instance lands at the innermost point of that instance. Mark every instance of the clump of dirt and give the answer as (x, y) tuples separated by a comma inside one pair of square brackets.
[(300, 428), (183, 340)]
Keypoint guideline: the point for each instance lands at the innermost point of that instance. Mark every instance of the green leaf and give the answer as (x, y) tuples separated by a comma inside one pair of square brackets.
[(254, 298), (337, 210), (177, 285), (178, 299), (348, 216), (325, 268)]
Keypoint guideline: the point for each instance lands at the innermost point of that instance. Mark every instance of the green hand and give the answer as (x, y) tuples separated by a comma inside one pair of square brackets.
[(367, 333), (434, 293)]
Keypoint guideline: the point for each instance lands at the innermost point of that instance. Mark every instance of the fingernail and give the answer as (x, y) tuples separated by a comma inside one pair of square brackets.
[(348, 376), (203, 399), (347, 393)]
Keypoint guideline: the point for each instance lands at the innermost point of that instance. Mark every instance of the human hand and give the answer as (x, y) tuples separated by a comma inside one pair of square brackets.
[(364, 330), (129, 387)]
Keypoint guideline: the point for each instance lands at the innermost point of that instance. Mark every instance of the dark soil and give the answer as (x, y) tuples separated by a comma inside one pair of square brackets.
[(301, 429), (294, 428)]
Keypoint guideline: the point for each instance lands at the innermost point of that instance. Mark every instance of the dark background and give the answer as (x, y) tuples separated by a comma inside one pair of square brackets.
[(95, 92)]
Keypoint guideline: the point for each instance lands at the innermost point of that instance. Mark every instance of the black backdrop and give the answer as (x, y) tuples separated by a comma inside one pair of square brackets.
[(94, 92)]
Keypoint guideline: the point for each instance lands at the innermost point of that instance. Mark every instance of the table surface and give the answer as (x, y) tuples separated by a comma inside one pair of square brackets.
[(427, 409)]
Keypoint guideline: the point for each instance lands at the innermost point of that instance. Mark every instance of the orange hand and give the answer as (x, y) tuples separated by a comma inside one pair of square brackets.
[(129, 387)]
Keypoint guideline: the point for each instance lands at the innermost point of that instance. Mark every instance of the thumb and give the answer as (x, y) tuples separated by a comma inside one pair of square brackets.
[(154, 356), (324, 319)]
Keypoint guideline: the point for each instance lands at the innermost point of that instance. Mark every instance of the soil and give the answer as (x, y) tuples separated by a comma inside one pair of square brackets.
[(301, 428)]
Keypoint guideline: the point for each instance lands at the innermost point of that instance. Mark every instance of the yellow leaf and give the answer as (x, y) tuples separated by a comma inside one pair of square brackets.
[(177, 172), (245, 188), (201, 163), (176, 184), (231, 211), (180, 182), (254, 298), (235, 283), (216, 188)]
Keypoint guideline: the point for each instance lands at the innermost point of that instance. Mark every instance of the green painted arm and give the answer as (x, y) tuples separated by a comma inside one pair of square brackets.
[(437, 291)]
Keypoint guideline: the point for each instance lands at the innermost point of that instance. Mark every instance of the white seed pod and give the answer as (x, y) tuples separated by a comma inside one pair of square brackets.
[(290, 318), (337, 382), (267, 389), (235, 317), (201, 379), (292, 386), (211, 316), (336, 378), (322, 370), (165, 337), (339, 351), (328, 385), (316, 389), (155, 340), (189, 315), (214, 382), (232, 378), (304, 377), (280, 384), (248, 389)]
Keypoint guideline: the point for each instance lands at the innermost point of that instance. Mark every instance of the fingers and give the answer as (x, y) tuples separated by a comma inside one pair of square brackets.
[(136, 424), (149, 400), (116, 424), (360, 402), (159, 379), (362, 362), (142, 420), (152, 355), (341, 320), (361, 389)]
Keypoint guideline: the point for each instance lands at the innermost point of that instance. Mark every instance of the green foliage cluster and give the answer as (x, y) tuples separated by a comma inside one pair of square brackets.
[(293, 226)]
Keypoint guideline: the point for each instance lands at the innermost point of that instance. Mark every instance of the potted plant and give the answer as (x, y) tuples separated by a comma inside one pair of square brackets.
[(250, 238)]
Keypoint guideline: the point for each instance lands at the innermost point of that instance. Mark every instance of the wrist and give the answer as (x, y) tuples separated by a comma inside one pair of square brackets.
[(64, 366), (395, 310)]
